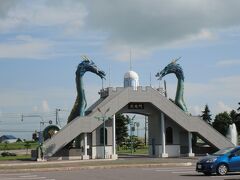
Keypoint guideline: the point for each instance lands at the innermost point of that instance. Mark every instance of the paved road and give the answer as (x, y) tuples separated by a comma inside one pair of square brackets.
[(167, 173)]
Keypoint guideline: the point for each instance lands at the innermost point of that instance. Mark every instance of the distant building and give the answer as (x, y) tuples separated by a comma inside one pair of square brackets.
[(131, 79), (8, 139)]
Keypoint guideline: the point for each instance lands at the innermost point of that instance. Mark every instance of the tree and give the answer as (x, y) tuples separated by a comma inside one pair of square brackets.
[(238, 114), (5, 146), (27, 146), (19, 140), (137, 142), (233, 115), (206, 116), (236, 118), (221, 122), (121, 128)]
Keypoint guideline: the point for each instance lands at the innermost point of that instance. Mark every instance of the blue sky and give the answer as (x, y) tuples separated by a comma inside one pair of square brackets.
[(41, 43)]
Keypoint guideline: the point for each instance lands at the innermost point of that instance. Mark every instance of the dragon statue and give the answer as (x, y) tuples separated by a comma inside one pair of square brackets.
[(80, 102), (176, 69)]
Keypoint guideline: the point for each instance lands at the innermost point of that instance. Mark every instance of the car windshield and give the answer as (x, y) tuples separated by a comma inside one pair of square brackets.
[(223, 151)]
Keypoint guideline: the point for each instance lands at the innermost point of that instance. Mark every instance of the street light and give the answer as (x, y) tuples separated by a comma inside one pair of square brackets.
[(41, 123), (103, 118), (131, 132), (137, 125)]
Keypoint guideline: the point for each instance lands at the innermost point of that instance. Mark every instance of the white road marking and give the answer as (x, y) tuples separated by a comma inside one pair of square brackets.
[(174, 169), (18, 178), (21, 176), (231, 176), (178, 170), (28, 176), (15, 174), (183, 172)]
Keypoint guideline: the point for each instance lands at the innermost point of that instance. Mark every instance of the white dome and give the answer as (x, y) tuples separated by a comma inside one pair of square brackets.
[(131, 75), (131, 79)]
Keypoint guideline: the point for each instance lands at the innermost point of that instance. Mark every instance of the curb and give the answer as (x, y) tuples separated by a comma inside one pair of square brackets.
[(39, 169), (36, 163)]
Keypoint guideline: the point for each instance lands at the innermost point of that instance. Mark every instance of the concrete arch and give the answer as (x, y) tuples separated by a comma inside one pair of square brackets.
[(117, 100)]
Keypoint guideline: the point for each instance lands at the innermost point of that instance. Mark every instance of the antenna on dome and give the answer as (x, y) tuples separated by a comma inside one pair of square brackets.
[(109, 76), (130, 58), (150, 79)]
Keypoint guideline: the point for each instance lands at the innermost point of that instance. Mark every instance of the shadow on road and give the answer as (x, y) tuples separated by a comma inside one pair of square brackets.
[(214, 175)]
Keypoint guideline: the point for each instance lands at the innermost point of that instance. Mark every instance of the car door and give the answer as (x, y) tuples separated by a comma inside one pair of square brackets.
[(234, 161)]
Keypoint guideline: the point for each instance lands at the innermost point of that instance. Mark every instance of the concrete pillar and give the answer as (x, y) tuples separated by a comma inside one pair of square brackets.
[(85, 155), (114, 155), (190, 152), (163, 134)]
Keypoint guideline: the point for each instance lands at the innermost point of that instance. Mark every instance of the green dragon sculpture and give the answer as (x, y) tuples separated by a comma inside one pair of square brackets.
[(176, 69), (80, 103)]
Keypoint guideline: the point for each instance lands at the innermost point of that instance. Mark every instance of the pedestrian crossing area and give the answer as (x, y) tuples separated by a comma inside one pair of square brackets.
[(22, 176), (191, 172), (174, 170)]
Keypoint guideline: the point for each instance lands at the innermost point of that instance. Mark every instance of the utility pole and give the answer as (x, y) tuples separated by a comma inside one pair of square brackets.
[(57, 116), (131, 132), (145, 131), (57, 120), (41, 123)]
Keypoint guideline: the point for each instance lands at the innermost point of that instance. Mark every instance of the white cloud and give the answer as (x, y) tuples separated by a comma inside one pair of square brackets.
[(154, 23), (62, 14), (12, 98), (5, 6), (221, 107), (25, 47), (122, 52), (220, 94), (220, 87), (195, 110), (35, 108), (203, 35), (228, 79), (138, 24), (228, 63), (45, 106)]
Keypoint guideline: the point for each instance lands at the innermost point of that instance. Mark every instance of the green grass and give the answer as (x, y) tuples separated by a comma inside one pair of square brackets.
[(128, 151), (14, 158), (16, 146)]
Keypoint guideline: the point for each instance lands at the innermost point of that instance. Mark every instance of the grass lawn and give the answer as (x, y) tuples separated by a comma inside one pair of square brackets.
[(128, 151), (18, 157), (16, 146)]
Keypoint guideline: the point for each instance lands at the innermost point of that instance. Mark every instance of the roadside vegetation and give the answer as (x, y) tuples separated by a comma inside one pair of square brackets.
[(18, 145), (137, 151), (14, 158), (7, 154)]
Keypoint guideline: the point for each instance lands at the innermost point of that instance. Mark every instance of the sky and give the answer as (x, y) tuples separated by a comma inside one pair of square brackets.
[(41, 44)]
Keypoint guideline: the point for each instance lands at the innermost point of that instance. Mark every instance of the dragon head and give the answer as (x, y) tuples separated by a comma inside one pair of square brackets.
[(89, 65), (172, 67)]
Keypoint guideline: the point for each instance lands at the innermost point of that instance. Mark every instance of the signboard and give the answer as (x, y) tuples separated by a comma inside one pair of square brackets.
[(136, 106)]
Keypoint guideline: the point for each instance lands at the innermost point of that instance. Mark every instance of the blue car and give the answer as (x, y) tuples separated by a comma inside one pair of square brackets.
[(221, 162)]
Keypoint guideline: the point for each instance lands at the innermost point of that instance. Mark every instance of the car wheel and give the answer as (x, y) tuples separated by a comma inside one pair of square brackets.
[(222, 169), (207, 173)]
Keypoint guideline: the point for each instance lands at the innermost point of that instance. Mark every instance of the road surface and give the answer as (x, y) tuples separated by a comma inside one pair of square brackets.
[(167, 173)]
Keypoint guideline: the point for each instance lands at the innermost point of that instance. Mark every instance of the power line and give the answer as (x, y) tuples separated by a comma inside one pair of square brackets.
[(17, 123), (15, 130)]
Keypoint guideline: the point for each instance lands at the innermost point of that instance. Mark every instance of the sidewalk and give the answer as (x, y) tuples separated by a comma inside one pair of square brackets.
[(123, 162)]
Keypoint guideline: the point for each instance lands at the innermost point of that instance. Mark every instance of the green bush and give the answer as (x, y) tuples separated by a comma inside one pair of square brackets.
[(4, 154)]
